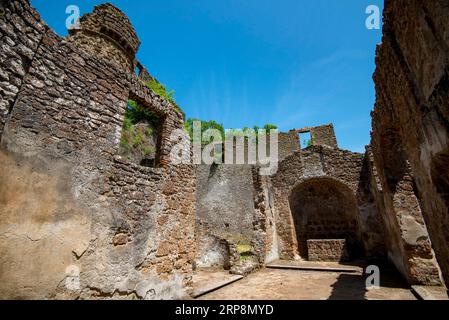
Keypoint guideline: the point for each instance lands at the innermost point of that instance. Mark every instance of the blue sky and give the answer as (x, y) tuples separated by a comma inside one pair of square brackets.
[(293, 63)]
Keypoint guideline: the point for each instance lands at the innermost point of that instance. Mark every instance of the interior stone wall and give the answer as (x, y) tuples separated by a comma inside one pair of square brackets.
[(235, 223), (410, 127), (409, 244), (265, 241), (78, 221), (225, 212)]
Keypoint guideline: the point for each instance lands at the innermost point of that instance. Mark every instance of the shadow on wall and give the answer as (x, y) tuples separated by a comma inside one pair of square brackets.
[(371, 223), (411, 248), (440, 175)]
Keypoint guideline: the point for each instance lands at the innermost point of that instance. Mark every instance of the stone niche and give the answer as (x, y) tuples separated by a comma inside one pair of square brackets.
[(327, 250), (325, 208)]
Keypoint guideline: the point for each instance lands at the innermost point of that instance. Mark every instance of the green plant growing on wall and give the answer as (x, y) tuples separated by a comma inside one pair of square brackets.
[(135, 113), (269, 127), (124, 143), (243, 132), (205, 125), (148, 150), (148, 132), (244, 251), (162, 91), (211, 124)]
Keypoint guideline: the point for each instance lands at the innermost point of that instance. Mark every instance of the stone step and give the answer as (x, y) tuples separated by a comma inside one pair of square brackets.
[(211, 286), (430, 293), (311, 267)]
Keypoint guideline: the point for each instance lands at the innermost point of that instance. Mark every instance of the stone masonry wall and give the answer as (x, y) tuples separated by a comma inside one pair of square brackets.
[(410, 138), (226, 214), (235, 224), (78, 221), (20, 34), (327, 250), (288, 143), (324, 136), (104, 48), (114, 37)]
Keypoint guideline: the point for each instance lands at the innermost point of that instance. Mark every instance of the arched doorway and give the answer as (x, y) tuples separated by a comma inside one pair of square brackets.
[(325, 208)]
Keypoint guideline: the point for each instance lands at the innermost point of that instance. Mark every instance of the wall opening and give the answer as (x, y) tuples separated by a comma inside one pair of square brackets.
[(305, 139), (325, 209), (139, 142)]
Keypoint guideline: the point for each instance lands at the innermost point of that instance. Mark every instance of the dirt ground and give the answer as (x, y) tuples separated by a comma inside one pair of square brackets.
[(284, 284)]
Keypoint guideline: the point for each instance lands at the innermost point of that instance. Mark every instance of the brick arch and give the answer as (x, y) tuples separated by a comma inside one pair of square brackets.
[(324, 208)]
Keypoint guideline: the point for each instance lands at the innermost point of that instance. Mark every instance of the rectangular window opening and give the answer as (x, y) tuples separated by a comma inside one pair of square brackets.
[(305, 140), (139, 142)]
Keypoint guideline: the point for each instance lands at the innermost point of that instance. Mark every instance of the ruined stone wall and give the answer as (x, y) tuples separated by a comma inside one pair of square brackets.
[(20, 34), (324, 136), (344, 168), (234, 212), (78, 221), (288, 143), (411, 134), (319, 136), (90, 42)]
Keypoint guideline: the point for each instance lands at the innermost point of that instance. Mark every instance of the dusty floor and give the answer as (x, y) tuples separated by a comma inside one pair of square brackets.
[(278, 284)]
